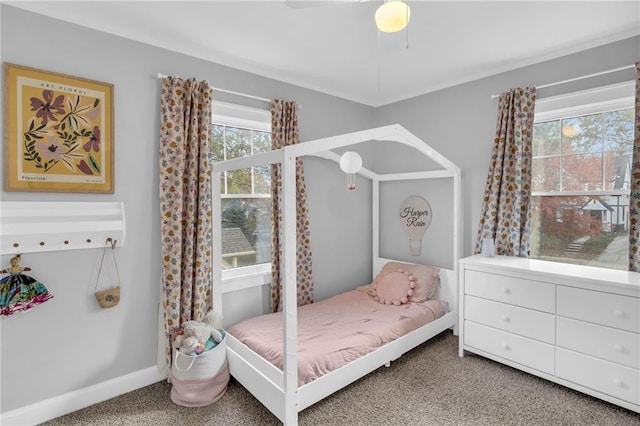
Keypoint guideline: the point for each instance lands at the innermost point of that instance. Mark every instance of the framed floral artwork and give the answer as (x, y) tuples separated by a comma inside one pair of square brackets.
[(58, 132)]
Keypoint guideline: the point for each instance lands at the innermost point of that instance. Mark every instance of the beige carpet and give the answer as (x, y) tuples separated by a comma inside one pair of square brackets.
[(430, 385)]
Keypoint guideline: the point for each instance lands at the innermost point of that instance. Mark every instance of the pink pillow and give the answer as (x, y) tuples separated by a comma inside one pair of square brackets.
[(394, 288), (426, 278)]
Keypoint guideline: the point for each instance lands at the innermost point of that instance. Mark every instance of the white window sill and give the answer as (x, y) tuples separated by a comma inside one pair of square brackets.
[(247, 277)]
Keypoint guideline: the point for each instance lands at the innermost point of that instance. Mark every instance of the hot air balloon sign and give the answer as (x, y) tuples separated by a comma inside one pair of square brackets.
[(415, 218)]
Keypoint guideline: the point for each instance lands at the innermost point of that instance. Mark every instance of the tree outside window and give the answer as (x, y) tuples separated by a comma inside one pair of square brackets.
[(580, 186), (246, 197)]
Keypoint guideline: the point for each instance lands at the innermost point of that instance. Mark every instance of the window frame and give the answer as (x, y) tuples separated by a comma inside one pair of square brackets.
[(240, 116), (591, 101), (598, 100)]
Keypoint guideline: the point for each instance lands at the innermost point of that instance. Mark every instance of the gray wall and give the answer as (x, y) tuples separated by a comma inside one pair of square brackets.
[(69, 343), (437, 244), (459, 122)]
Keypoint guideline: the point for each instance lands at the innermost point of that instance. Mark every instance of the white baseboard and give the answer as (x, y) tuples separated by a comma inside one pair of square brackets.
[(73, 401)]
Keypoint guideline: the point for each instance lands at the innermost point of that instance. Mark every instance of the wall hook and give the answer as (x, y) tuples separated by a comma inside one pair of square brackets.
[(112, 242)]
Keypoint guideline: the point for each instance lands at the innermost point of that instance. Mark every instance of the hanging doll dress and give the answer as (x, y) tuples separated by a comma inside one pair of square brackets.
[(20, 292)]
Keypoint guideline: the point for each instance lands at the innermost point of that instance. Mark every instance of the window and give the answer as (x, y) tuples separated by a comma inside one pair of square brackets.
[(582, 148), (246, 194)]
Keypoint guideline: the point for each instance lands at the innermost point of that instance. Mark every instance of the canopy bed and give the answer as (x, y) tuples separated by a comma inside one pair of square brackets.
[(284, 383)]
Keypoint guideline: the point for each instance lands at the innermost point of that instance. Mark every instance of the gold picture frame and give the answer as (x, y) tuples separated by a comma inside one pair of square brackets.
[(58, 132)]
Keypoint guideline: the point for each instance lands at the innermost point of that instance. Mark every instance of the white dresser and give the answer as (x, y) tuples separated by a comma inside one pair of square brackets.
[(578, 326)]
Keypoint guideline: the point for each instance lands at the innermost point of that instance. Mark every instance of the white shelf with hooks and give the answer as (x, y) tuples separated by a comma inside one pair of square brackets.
[(39, 226)]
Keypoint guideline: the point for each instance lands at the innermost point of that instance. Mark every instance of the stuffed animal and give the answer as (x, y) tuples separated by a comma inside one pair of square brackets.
[(214, 320), (190, 345), (193, 335)]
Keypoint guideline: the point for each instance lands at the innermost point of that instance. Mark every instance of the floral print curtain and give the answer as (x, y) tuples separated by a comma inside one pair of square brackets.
[(505, 214), (284, 132), (634, 206), (185, 201)]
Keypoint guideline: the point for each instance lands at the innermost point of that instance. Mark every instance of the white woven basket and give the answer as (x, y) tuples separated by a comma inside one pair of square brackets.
[(205, 365)]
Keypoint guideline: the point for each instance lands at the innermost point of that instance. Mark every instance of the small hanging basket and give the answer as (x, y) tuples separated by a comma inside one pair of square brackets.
[(110, 297)]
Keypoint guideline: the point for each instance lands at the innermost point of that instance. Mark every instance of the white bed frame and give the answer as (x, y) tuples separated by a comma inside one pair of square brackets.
[(278, 390)]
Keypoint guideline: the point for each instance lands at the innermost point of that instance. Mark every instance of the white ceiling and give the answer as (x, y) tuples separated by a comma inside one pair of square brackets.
[(334, 47)]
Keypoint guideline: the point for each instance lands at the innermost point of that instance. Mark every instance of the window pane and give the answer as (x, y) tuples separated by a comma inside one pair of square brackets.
[(217, 151), (217, 142), (582, 172), (546, 174), (262, 180), (261, 141), (546, 138), (587, 230), (617, 169), (239, 181), (261, 174), (619, 130), (246, 219), (582, 134), (246, 231), (238, 142), (594, 156)]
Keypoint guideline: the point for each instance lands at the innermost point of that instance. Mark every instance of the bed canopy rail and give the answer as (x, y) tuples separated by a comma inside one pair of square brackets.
[(323, 148), (332, 156), (371, 175), (278, 390), (393, 133)]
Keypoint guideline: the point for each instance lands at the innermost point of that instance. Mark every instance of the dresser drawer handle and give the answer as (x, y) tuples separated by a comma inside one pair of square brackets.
[(505, 318), (618, 313), (505, 346), (506, 290), (618, 347)]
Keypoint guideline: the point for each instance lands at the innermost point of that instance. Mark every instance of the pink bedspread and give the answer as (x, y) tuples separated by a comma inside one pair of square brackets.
[(335, 331)]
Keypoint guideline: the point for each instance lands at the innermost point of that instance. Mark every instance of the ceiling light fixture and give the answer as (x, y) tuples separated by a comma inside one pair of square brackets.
[(392, 16)]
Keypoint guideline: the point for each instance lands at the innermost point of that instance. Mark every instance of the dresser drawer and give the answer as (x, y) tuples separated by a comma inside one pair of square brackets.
[(530, 353), (608, 343), (515, 291), (602, 376), (612, 310), (525, 322)]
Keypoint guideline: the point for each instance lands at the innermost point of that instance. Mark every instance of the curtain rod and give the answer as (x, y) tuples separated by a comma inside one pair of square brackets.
[(231, 92), (571, 80)]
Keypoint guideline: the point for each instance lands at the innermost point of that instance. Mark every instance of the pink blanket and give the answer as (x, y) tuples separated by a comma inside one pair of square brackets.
[(335, 331)]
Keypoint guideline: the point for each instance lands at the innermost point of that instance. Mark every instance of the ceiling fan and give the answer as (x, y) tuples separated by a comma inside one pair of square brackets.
[(390, 17)]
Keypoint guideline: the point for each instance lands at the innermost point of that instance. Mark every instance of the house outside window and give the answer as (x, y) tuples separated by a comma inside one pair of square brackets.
[(582, 148), (246, 194)]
